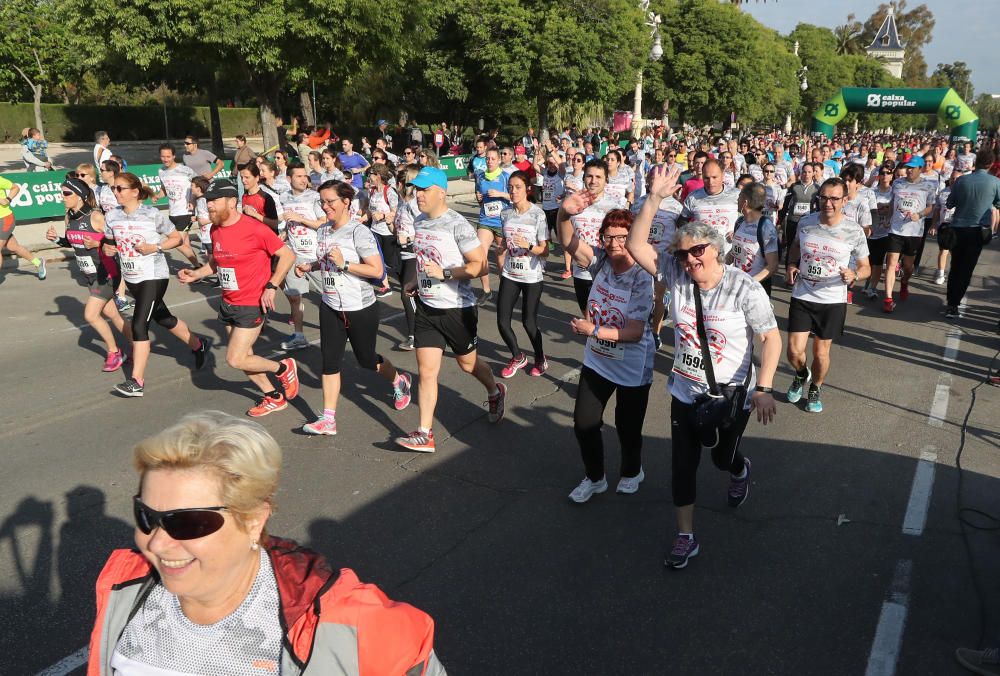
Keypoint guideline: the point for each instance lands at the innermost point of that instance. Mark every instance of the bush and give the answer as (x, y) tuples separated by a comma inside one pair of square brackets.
[(123, 123)]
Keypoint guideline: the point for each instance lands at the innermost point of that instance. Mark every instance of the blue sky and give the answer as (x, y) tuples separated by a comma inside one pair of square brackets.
[(965, 30)]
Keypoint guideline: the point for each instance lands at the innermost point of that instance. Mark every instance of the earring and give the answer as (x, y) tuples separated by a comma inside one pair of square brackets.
[(254, 546)]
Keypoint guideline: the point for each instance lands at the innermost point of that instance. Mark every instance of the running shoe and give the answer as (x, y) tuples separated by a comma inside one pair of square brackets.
[(630, 484), (422, 442), (406, 345), (130, 388), (113, 361), (952, 312), (539, 368), (904, 291), (383, 292), (657, 341), (587, 489), (123, 304), (814, 405), (685, 547), (201, 354), (985, 662), (268, 405), (513, 366), (322, 425), (290, 378), (795, 389), (888, 306), (739, 489), (552, 247), (401, 393), (940, 278), (566, 274), (496, 403), (870, 294), (297, 342), (485, 299), (42, 273), (850, 297)]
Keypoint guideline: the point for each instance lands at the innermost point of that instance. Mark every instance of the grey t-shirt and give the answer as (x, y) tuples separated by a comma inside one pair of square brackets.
[(444, 240), (248, 642), (201, 161)]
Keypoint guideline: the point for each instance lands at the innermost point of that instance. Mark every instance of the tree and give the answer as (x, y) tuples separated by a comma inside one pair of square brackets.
[(915, 27), (957, 76), (848, 37)]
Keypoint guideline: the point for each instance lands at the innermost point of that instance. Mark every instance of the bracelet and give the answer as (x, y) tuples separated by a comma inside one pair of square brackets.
[(765, 390), (596, 329)]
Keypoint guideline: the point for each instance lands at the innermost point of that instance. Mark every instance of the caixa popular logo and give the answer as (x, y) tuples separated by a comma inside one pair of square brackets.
[(831, 110), (874, 100), (952, 112)]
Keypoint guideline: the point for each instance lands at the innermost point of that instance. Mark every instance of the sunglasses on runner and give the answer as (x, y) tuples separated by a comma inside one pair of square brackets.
[(179, 524), (119, 188), (769, 171), (67, 193), (698, 250)]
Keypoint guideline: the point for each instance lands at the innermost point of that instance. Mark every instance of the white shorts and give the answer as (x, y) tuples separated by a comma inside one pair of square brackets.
[(298, 286)]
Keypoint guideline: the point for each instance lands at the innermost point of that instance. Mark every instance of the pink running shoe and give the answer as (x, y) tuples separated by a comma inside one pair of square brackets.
[(113, 361), (401, 393), (513, 366), (539, 368), (322, 425)]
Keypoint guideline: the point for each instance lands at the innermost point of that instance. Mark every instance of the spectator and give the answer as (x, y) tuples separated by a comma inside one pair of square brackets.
[(282, 134), (35, 153), (102, 145), (203, 162), (244, 155)]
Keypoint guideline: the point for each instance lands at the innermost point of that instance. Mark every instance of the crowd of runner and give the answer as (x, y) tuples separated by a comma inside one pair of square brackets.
[(680, 231)]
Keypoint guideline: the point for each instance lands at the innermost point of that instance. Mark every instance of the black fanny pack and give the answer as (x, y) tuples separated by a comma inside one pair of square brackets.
[(946, 238), (718, 409)]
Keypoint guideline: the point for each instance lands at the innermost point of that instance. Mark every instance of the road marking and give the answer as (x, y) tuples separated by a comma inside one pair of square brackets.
[(891, 623), (951, 346), (67, 664), (172, 305), (920, 493), (939, 407)]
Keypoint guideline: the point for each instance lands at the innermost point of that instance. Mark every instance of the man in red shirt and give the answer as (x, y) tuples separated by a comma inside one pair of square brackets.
[(242, 248)]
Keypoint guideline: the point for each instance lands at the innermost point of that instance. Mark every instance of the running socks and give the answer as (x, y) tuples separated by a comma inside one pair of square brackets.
[(804, 373), (281, 369), (329, 414)]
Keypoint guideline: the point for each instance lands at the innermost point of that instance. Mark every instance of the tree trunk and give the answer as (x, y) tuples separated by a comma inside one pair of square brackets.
[(37, 90), (215, 122), (543, 118), (306, 102)]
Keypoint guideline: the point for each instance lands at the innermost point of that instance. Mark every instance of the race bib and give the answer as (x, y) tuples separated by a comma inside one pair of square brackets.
[(86, 265), (688, 361), (227, 279), (492, 209), (818, 268), (330, 278), (908, 204), (547, 195), (800, 208), (303, 240), (607, 349)]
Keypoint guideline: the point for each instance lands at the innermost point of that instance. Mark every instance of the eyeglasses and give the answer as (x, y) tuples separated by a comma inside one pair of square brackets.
[(578, 159), (769, 171), (180, 524), (189, 143), (828, 198), (608, 239), (329, 203), (67, 193), (671, 156), (407, 152), (698, 250), (119, 188)]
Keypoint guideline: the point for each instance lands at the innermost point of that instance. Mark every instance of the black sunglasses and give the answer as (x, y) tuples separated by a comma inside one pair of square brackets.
[(179, 524), (698, 250)]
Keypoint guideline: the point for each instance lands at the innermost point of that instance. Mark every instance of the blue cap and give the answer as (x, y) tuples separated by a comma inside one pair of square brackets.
[(915, 161), (429, 176), (380, 123), (837, 155)]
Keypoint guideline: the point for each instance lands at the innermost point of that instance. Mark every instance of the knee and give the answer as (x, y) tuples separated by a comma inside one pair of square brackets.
[(235, 360), (91, 314), (468, 365), (169, 322)]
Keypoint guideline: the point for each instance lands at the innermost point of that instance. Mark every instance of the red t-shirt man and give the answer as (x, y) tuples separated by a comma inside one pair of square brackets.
[(242, 253)]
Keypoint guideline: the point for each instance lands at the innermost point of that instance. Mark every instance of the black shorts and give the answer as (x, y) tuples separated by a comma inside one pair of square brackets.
[(102, 287), (182, 223), (241, 316), (908, 246), (876, 250), (824, 320), (453, 327)]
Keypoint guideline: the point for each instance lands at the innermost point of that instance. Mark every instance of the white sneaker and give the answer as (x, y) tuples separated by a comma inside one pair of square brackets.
[(587, 488), (630, 484), (297, 342), (939, 278), (870, 294)]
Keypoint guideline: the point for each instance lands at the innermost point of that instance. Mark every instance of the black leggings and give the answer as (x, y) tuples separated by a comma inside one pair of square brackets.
[(685, 443), (531, 294), (592, 397), (791, 227), (149, 305), (582, 289), (389, 246), (336, 327), (408, 269)]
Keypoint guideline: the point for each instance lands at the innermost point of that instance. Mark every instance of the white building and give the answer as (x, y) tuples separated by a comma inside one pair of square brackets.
[(886, 47)]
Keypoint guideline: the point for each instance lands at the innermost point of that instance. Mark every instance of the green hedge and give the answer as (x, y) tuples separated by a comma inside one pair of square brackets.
[(123, 123)]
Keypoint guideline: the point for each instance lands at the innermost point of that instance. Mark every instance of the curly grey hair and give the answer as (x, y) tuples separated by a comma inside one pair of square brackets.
[(699, 232)]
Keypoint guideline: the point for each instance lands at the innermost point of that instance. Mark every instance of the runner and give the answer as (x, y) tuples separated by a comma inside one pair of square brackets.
[(106, 199), (8, 191), (491, 192), (942, 221), (912, 201), (714, 204), (349, 261), (775, 190), (199, 185), (258, 203), (826, 241), (878, 240), (175, 185), (84, 232), (449, 256), (554, 189), (282, 185), (525, 231), (242, 248), (735, 310), (332, 169), (798, 202), (303, 216), (139, 234), (621, 179), (202, 162), (661, 234), (755, 241), (406, 214), (353, 164), (383, 203)]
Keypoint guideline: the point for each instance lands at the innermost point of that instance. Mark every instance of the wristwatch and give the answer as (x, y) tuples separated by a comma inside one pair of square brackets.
[(159, 249), (446, 273), (271, 286), (761, 388)]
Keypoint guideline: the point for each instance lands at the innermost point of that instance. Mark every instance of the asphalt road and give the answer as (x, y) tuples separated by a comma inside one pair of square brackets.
[(482, 535)]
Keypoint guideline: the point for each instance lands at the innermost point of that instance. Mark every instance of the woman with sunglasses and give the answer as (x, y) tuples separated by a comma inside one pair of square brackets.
[(349, 260), (106, 199), (735, 308), (525, 232), (84, 225), (280, 181), (139, 234), (209, 591), (429, 158), (618, 357)]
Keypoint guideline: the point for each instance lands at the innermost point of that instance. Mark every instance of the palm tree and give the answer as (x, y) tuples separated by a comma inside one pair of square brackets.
[(848, 37)]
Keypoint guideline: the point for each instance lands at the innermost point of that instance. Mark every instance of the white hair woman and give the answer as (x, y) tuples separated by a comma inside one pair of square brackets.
[(209, 592), (730, 307)]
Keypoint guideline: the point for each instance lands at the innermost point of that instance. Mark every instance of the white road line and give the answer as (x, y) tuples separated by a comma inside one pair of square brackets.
[(951, 346), (939, 407), (67, 664), (891, 622), (920, 493)]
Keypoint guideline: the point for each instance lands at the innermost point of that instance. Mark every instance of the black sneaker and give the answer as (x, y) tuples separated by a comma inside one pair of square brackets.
[(201, 354), (485, 299), (952, 312), (739, 489), (657, 342), (130, 388)]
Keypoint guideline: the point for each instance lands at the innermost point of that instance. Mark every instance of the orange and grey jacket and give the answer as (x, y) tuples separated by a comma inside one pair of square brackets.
[(333, 624)]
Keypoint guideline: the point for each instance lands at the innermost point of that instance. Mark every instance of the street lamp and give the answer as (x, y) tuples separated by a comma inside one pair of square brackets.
[(652, 21), (803, 85)]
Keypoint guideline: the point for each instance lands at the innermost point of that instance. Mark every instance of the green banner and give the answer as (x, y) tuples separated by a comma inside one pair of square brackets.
[(946, 103), (456, 166)]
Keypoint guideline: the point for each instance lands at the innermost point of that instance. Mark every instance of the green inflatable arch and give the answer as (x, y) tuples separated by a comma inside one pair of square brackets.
[(948, 105)]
